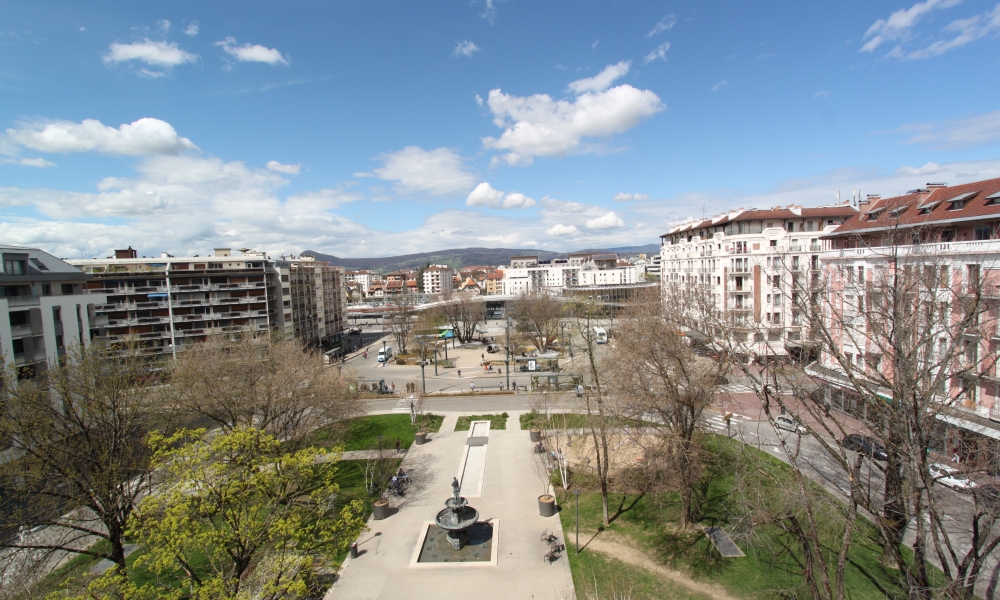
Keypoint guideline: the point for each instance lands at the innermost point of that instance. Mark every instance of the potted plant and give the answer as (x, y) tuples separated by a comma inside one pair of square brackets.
[(546, 505), (380, 508), (420, 437), (536, 435)]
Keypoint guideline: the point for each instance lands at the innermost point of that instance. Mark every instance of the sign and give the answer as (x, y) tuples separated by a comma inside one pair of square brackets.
[(531, 365)]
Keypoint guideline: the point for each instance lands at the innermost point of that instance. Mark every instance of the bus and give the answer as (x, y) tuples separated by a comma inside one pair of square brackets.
[(600, 335)]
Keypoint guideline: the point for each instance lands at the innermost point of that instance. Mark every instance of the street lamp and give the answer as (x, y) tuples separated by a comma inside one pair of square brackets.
[(506, 348), (577, 493)]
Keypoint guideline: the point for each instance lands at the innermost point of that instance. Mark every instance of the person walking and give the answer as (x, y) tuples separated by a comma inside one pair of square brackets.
[(397, 445), (472, 386), (392, 386), (460, 373)]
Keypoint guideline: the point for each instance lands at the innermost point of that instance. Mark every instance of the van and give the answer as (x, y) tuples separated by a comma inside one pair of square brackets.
[(385, 354), (600, 335)]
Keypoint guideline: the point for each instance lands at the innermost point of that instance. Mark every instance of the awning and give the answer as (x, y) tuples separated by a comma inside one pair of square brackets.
[(981, 429)]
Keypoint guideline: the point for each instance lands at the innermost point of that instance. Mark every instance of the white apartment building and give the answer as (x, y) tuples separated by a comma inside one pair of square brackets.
[(312, 297), (43, 309), (363, 277), (744, 262), (527, 274), (437, 279)]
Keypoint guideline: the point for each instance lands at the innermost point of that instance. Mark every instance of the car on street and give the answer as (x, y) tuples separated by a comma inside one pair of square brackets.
[(789, 424), (951, 477), (865, 445)]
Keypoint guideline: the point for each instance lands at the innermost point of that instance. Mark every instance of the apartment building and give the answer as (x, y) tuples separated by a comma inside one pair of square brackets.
[(941, 242), (494, 283), (438, 280), (43, 309), (749, 263), (527, 274), (364, 277), (307, 300)]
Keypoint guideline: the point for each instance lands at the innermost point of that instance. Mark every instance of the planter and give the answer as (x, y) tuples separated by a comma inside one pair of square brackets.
[(420, 438), (536, 435), (380, 508), (546, 505)]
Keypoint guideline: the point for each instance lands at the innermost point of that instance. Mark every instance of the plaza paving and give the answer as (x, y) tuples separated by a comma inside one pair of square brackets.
[(511, 484)]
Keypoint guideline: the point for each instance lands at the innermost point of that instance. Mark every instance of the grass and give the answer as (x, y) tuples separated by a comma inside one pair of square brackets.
[(770, 568), (363, 432), (536, 420), (496, 421), (597, 575)]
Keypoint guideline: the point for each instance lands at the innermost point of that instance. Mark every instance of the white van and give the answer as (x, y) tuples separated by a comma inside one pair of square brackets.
[(385, 354), (600, 335)]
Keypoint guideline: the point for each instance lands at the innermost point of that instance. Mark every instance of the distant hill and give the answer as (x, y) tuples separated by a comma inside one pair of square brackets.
[(462, 257)]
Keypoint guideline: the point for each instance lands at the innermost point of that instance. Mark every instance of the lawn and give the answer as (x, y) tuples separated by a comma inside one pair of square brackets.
[(770, 568), (496, 421), (536, 420), (363, 432)]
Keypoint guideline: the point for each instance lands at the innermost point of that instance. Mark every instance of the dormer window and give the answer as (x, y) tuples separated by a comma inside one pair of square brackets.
[(873, 214), (925, 209), (894, 213), (958, 202), (993, 199)]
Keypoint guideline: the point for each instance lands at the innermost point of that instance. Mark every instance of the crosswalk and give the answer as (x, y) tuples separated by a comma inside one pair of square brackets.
[(402, 405), (715, 422)]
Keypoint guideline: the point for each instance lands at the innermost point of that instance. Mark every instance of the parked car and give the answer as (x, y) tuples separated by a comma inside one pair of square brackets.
[(789, 424), (492, 348), (865, 445), (951, 477)]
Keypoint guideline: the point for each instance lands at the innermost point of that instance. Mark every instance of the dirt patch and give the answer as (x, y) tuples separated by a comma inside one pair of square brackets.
[(610, 545)]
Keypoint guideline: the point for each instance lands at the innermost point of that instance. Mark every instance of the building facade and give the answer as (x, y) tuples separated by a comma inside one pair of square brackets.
[(43, 309), (311, 296), (527, 274), (437, 280)]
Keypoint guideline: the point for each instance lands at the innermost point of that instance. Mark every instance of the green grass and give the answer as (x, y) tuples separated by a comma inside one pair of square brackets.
[(496, 421), (363, 432), (770, 568), (536, 420), (597, 575)]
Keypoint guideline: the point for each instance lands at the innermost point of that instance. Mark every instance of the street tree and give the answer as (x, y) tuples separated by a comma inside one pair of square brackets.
[(537, 317), (401, 317), (464, 312)]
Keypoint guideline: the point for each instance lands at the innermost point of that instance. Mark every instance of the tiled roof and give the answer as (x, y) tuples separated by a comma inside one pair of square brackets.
[(821, 212), (932, 205)]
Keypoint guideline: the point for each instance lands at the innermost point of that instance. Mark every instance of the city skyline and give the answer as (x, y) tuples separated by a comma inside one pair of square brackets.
[(376, 129)]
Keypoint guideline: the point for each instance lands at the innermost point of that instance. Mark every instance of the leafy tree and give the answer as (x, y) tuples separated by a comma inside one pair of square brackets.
[(233, 517)]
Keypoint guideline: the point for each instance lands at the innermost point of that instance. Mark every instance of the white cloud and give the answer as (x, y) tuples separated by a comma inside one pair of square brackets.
[(559, 230), (820, 95), (659, 53), (625, 197), (540, 126), (163, 25), (490, 14), (479, 100), (601, 81), (28, 162), (191, 29), (898, 25), (439, 172), (608, 221), (484, 195), (466, 49), (929, 169), (145, 136), (665, 24), (252, 52), (156, 54), (962, 32), (280, 168), (978, 130), (722, 83)]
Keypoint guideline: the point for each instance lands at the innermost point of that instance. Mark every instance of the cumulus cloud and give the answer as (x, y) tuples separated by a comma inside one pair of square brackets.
[(156, 54), (899, 24), (978, 130), (540, 126), (252, 52), (28, 162), (439, 172), (484, 195), (608, 221), (280, 168), (660, 53), (665, 24), (928, 169), (191, 29), (559, 230), (625, 197), (145, 136), (466, 49), (601, 81)]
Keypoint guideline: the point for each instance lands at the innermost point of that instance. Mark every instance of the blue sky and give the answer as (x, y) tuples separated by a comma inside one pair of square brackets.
[(371, 128)]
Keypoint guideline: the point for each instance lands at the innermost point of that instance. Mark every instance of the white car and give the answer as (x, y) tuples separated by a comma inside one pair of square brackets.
[(789, 424), (951, 477)]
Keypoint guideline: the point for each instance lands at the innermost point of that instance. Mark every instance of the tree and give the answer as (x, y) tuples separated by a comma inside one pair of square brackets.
[(400, 318), (77, 459), (658, 376), (258, 519), (464, 314), (277, 385), (538, 317)]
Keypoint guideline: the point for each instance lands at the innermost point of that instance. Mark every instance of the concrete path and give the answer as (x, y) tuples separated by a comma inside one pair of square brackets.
[(511, 487)]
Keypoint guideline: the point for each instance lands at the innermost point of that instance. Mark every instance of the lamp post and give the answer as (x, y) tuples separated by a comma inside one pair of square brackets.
[(577, 493), (423, 379), (506, 348), (435, 362)]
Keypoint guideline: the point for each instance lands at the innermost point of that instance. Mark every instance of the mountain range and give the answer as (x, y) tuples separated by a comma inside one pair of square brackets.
[(462, 257)]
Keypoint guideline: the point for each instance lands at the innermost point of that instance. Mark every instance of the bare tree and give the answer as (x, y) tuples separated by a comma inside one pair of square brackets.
[(77, 463), (537, 316), (401, 318), (464, 314), (278, 386)]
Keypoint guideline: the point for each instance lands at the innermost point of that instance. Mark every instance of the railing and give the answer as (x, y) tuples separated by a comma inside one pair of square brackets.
[(21, 300), (21, 330)]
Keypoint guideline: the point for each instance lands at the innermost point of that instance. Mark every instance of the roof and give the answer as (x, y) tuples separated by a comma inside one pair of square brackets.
[(40, 266), (931, 205), (793, 212)]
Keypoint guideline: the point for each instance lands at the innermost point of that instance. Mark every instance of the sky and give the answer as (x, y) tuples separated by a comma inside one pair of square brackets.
[(384, 127)]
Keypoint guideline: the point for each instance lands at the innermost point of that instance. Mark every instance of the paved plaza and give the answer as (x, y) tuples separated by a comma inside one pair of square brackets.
[(502, 481)]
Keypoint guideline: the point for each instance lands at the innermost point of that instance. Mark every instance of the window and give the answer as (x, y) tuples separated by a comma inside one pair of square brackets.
[(67, 289), (46, 289), (774, 243), (983, 232), (14, 267), (947, 235)]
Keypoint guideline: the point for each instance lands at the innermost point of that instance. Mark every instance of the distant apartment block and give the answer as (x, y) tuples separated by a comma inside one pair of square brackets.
[(43, 309), (365, 278), (309, 298), (527, 274), (438, 280)]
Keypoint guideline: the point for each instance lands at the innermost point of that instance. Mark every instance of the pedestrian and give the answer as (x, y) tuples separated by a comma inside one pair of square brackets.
[(483, 356), (392, 386), (397, 445), (955, 457), (472, 386), (513, 385), (460, 373)]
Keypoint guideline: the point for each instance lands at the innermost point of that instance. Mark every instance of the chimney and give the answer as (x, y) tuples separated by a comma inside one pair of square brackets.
[(223, 252), (939, 184), (127, 253)]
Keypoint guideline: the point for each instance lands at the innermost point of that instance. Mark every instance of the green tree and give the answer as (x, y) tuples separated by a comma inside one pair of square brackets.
[(233, 517)]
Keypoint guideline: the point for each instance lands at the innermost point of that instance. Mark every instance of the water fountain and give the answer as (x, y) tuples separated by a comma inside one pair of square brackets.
[(457, 517)]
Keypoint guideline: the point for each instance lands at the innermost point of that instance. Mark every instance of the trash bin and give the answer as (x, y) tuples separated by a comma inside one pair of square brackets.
[(354, 549)]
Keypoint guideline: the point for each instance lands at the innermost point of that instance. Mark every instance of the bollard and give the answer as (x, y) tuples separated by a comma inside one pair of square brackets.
[(354, 549)]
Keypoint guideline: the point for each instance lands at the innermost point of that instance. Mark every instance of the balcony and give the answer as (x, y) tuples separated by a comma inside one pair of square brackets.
[(25, 300), (18, 331)]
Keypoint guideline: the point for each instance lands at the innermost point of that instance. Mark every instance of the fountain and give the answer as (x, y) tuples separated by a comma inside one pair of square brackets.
[(457, 517)]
